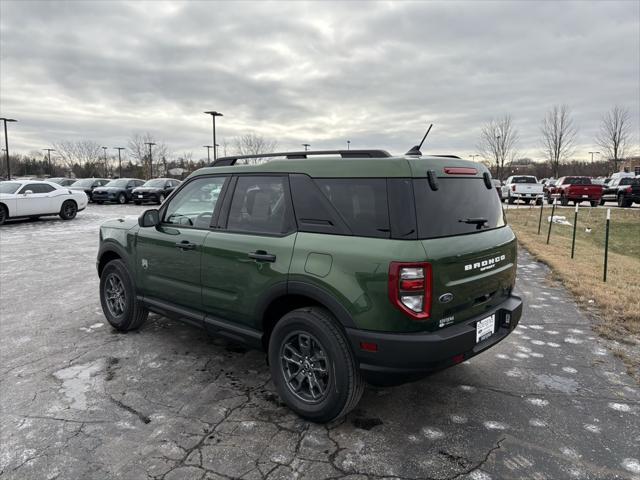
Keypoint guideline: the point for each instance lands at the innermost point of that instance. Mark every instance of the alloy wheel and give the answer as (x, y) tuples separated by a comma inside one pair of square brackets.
[(305, 367), (115, 295)]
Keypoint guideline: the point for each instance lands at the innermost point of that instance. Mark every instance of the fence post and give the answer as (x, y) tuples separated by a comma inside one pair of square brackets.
[(606, 245), (540, 219), (575, 226), (553, 209)]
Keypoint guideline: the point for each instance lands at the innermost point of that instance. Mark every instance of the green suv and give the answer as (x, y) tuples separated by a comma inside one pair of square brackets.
[(343, 266)]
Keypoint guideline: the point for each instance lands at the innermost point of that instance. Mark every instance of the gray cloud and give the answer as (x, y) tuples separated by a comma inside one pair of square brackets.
[(320, 73)]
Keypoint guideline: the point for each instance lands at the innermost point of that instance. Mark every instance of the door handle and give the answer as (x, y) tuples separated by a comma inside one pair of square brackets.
[(262, 256), (185, 245)]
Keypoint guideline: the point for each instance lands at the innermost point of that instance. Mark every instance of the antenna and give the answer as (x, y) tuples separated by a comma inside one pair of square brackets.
[(416, 150)]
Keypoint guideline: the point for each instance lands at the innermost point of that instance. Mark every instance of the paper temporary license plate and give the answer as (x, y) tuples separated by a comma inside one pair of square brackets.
[(485, 328)]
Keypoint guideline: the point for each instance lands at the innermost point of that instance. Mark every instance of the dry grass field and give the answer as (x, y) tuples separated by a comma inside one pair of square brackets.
[(618, 300)]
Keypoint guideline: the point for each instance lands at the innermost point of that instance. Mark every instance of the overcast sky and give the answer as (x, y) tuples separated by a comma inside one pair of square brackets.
[(318, 73)]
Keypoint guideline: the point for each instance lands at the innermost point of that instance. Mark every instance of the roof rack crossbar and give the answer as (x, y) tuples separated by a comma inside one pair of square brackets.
[(225, 161)]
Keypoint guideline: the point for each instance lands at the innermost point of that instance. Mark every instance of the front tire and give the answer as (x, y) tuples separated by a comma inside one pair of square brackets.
[(69, 210), (312, 365), (160, 199), (510, 200), (118, 298), (122, 199)]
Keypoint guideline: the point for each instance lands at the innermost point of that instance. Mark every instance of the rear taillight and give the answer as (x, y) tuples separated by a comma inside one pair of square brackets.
[(513, 188), (410, 288), (629, 189)]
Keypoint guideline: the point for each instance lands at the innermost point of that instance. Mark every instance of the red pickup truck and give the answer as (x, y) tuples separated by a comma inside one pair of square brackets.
[(576, 190)]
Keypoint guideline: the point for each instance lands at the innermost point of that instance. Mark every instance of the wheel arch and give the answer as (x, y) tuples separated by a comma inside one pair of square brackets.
[(107, 253)]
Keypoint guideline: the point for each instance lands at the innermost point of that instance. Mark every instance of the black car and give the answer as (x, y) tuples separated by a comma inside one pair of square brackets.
[(117, 191), (62, 181), (625, 191), (155, 190), (87, 185)]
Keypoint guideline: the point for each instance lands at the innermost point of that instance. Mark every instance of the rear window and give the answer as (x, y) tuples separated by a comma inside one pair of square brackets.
[(577, 181), (524, 180), (459, 206)]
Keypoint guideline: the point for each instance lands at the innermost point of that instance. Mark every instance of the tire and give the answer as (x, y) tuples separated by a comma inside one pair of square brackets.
[(594, 203), (68, 210), (122, 199), (601, 201), (343, 385), (549, 200), (622, 202), (126, 312), (4, 214), (527, 201), (510, 200), (160, 199), (539, 201)]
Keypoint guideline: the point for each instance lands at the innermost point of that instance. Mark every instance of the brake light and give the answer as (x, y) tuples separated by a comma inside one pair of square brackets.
[(460, 170), (410, 288), (629, 189), (513, 188)]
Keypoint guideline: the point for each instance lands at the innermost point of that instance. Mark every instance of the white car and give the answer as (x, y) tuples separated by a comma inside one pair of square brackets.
[(33, 198)]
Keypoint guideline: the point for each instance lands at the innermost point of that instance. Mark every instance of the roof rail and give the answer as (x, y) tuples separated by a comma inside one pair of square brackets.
[(225, 161)]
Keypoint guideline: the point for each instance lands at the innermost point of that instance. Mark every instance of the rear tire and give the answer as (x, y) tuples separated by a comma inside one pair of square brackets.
[(622, 202), (4, 214), (312, 365), (69, 210), (594, 203), (161, 199), (122, 199), (118, 298), (549, 200)]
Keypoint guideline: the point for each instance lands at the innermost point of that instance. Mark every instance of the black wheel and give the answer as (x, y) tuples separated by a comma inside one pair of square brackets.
[(527, 201), (564, 201), (122, 199), (312, 365), (549, 200), (594, 203), (118, 298), (602, 201), (68, 210), (539, 201), (160, 198), (3, 214), (510, 200), (137, 202)]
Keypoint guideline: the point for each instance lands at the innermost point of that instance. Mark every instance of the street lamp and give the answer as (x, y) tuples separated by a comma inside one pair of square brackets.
[(306, 146), (119, 161), (348, 144), (208, 147), (106, 172), (214, 114), (6, 144), (49, 150), (473, 157), (150, 159), (592, 155), (217, 145)]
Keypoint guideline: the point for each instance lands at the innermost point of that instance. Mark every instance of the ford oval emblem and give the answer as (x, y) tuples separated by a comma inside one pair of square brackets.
[(445, 297)]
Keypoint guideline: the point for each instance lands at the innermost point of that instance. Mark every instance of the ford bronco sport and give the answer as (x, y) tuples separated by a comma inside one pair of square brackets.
[(343, 266)]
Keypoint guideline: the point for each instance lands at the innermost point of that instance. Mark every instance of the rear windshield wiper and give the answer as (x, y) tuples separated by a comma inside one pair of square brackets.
[(478, 222)]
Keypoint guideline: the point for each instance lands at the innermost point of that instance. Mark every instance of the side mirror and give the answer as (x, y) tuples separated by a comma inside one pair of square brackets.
[(149, 218), (28, 192)]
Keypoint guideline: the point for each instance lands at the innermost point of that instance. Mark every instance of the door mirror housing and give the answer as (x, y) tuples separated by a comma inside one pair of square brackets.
[(149, 218)]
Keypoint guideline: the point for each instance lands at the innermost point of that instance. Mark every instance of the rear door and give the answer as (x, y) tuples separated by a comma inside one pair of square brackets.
[(169, 255), (472, 252), (250, 253)]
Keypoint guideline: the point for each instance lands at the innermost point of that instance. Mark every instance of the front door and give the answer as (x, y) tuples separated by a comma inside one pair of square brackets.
[(250, 253), (169, 255), (37, 201)]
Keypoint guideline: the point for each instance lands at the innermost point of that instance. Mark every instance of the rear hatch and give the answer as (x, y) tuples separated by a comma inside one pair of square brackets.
[(471, 249)]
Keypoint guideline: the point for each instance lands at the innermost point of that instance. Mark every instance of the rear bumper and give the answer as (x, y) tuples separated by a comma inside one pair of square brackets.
[(526, 195), (415, 353)]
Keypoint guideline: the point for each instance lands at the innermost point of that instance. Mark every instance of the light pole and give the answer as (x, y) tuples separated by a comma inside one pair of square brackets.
[(119, 161), (473, 157), (592, 155), (216, 149), (106, 171), (151, 144), (208, 147), (306, 146), (214, 114), (348, 144), (6, 144), (49, 150)]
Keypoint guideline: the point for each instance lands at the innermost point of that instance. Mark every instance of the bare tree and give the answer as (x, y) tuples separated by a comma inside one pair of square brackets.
[(253, 144), (498, 141), (139, 150), (80, 152), (558, 136), (614, 134)]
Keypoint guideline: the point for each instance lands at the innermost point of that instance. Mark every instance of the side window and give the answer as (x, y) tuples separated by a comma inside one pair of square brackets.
[(43, 188), (34, 187), (361, 202), (260, 205), (194, 205)]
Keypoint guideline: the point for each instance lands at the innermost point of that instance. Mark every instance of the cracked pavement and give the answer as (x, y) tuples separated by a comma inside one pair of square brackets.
[(80, 401)]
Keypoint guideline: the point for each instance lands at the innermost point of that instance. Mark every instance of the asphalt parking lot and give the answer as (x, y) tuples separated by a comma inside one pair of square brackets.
[(80, 401)]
